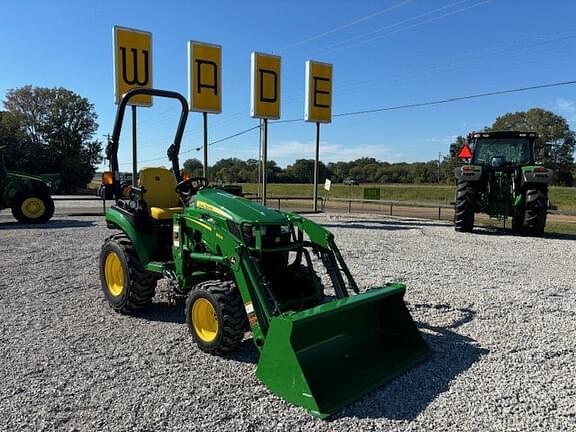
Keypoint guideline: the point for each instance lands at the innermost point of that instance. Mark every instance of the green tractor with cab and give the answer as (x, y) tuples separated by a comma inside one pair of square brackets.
[(28, 196), (241, 267), (502, 180)]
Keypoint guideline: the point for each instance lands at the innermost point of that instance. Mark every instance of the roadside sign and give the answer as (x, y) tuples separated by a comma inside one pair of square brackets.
[(265, 86), (371, 193), (132, 63), (318, 103), (204, 77), (465, 152), (327, 184)]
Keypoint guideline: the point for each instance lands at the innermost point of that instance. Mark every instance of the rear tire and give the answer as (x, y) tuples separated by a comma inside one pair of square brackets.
[(126, 284), (517, 220), (215, 316), (33, 207), (465, 206), (536, 211)]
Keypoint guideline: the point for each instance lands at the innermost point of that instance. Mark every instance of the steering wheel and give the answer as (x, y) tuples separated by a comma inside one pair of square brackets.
[(188, 188)]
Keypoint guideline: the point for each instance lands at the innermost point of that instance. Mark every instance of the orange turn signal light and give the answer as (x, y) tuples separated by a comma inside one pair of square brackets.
[(107, 178), (186, 175)]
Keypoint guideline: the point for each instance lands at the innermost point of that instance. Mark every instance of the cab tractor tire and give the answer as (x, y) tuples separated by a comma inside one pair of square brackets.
[(215, 316), (33, 207), (126, 284), (465, 206), (518, 220), (535, 211)]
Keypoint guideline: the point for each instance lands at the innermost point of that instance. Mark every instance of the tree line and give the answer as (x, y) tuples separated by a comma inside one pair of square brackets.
[(363, 170)]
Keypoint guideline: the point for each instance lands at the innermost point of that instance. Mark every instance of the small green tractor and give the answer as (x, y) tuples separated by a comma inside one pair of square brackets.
[(502, 180), (241, 267), (28, 196)]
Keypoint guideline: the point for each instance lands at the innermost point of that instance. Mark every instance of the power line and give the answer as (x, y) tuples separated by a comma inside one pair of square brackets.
[(357, 21), (393, 108), (245, 131), (389, 26), (456, 99), (362, 42), (418, 104), (349, 24)]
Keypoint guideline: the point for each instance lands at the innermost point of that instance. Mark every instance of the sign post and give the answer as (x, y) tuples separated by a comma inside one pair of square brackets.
[(132, 68), (265, 100), (318, 108), (205, 84)]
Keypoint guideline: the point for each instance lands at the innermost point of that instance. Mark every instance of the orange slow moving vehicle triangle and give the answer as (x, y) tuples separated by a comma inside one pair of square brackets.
[(465, 152)]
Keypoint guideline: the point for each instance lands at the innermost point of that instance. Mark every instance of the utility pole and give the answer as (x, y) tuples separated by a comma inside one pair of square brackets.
[(439, 162)]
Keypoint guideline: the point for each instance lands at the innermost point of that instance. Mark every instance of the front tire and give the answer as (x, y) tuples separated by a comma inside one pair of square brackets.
[(215, 316), (465, 206), (536, 211), (33, 207), (126, 284)]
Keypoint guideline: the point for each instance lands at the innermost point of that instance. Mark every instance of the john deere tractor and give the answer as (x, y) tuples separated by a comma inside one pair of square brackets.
[(28, 196), (502, 180), (242, 267)]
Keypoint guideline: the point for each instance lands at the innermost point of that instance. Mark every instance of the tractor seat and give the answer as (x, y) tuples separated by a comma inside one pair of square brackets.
[(159, 185)]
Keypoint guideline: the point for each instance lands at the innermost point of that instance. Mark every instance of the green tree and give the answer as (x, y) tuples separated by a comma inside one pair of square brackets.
[(194, 167), (339, 170), (302, 171), (551, 129), (11, 138), (451, 161), (56, 134)]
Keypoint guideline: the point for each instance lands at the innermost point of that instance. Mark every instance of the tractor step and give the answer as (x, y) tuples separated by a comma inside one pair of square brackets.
[(160, 266)]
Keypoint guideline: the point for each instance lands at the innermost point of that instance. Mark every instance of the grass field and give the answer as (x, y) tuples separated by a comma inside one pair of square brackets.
[(562, 197)]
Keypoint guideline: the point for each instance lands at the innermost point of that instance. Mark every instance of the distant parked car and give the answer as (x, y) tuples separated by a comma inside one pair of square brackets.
[(351, 181)]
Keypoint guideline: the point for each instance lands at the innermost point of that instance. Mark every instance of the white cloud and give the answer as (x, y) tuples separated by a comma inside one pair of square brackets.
[(288, 151), (442, 140), (565, 106)]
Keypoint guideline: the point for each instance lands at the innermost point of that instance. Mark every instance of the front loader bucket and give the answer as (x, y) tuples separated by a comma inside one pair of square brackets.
[(328, 356)]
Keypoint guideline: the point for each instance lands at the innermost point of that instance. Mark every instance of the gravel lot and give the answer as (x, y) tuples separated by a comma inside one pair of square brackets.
[(499, 311)]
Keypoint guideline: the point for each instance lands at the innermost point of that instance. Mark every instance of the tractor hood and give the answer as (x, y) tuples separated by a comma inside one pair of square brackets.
[(19, 177), (236, 208), (22, 176)]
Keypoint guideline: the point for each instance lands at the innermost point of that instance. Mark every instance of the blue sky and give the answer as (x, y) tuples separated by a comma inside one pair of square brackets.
[(385, 53)]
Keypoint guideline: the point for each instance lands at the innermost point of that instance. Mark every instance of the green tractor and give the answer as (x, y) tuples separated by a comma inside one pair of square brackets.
[(502, 180), (241, 267), (28, 196)]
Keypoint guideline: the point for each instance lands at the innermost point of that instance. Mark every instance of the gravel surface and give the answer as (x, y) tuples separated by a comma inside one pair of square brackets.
[(498, 310)]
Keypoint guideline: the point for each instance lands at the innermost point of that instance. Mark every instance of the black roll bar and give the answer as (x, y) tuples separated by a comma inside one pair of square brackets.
[(114, 141)]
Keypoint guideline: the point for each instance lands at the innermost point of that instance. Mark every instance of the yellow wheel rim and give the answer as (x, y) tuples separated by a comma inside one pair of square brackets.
[(114, 274), (204, 320), (33, 208)]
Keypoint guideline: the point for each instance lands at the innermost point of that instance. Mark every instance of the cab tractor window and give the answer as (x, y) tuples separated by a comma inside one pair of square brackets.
[(502, 151)]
